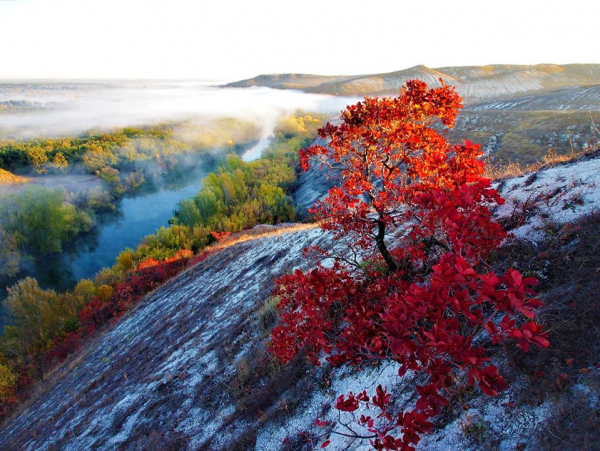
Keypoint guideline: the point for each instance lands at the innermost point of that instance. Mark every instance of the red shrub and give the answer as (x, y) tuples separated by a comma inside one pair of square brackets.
[(96, 313), (64, 346), (128, 293), (183, 253), (148, 263), (417, 209)]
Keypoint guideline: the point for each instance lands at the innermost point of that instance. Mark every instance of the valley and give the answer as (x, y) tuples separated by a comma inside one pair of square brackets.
[(276, 226), (171, 331)]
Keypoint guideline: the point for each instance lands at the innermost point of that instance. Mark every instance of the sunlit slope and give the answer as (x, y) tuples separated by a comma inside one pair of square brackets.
[(164, 367), (474, 83), (389, 83), (284, 81)]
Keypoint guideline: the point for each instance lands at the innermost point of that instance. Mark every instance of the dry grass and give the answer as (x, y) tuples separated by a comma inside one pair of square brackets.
[(573, 427), (552, 158), (511, 170), (259, 232), (478, 432), (568, 267), (268, 316)]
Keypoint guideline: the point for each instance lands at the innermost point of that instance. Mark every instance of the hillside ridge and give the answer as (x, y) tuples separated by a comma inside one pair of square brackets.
[(474, 83)]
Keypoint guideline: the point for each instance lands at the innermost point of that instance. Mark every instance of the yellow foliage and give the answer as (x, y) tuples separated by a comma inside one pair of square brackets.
[(7, 381), (86, 289), (7, 178), (125, 261), (60, 162), (104, 292)]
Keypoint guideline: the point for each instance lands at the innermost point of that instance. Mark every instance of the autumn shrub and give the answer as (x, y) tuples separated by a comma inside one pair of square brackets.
[(63, 346), (104, 292), (57, 333), (412, 285), (8, 384), (150, 274), (96, 314), (220, 237)]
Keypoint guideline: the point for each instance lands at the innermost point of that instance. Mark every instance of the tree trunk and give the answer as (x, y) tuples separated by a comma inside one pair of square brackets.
[(383, 250)]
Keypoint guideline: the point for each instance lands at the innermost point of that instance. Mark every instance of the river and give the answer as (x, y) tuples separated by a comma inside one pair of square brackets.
[(137, 215)]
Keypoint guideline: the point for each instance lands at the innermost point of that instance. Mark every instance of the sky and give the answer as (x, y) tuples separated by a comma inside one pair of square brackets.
[(235, 39)]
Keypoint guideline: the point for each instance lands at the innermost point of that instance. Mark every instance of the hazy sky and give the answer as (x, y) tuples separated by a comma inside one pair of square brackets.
[(234, 39)]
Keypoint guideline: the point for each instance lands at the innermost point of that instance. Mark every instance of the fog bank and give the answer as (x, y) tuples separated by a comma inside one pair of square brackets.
[(72, 108)]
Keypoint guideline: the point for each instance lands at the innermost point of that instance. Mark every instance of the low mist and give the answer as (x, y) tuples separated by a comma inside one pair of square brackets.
[(72, 108)]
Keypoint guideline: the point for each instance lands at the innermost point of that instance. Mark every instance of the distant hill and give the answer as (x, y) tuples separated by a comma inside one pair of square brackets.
[(517, 113), (285, 81), (474, 83)]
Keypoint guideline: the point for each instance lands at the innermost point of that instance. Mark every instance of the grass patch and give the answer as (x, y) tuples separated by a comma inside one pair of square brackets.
[(503, 171), (573, 427), (8, 178), (477, 431), (268, 316), (568, 267)]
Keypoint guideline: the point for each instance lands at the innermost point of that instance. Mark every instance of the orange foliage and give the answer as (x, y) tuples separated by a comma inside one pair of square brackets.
[(220, 236), (183, 253), (148, 263)]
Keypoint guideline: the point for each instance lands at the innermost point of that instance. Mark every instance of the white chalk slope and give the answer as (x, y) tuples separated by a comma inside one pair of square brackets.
[(158, 377)]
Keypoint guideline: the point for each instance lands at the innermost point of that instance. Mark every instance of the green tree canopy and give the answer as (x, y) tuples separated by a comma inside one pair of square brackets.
[(41, 220)]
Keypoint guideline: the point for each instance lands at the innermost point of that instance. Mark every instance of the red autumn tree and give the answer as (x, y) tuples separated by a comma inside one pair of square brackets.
[(409, 282)]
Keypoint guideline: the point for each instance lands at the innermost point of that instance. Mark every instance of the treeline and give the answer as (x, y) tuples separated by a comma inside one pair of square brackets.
[(116, 156), (48, 326), (11, 106)]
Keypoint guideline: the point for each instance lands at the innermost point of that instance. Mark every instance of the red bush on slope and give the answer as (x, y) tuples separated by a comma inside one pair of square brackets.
[(423, 299)]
